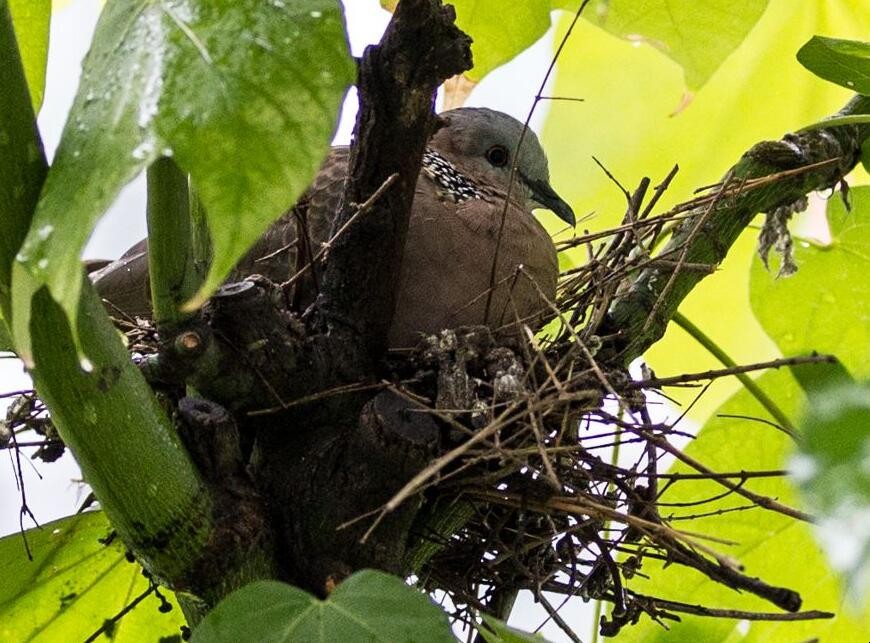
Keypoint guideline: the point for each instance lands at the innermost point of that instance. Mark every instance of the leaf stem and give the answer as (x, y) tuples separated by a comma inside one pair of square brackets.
[(748, 383), (170, 245)]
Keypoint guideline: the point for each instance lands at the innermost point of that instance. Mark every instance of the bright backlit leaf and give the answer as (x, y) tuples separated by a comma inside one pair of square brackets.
[(74, 584), (500, 34), (696, 35), (630, 92), (245, 95), (778, 549), (368, 606), (824, 306), (681, 29)]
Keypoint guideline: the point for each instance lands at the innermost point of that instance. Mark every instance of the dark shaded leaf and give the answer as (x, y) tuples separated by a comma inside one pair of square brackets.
[(368, 606), (845, 62)]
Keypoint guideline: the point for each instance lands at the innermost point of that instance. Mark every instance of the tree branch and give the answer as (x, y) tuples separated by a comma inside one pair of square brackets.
[(806, 161), (398, 78)]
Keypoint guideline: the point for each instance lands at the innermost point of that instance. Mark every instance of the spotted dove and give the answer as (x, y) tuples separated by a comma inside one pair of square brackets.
[(466, 212)]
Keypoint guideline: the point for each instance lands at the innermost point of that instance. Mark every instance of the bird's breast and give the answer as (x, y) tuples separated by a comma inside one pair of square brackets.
[(447, 270)]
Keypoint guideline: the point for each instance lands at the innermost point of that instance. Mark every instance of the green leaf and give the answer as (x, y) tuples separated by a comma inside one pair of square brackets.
[(779, 550), (74, 584), (845, 62), (31, 19), (497, 631), (699, 36), (22, 162), (823, 307), (833, 474), (244, 94), (368, 606), (500, 34)]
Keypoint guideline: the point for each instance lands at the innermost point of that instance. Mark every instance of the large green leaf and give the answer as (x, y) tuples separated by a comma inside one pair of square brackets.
[(245, 94), (834, 475), (499, 35), (368, 606), (845, 62), (22, 163), (31, 19), (697, 35), (758, 93), (779, 550), (74, 584), (825, 306)]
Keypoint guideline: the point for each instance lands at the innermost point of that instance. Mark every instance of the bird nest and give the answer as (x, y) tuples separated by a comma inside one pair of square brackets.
[(527, 490), (554, 480), (533, 497)]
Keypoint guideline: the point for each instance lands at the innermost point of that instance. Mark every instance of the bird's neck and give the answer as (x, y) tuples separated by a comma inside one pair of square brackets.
[(450, 182)]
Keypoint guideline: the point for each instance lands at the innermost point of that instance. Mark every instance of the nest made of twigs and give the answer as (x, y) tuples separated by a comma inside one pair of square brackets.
[(526, 493)]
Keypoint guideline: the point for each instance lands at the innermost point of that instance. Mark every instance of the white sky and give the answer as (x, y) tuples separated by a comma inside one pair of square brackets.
[(53, 491)]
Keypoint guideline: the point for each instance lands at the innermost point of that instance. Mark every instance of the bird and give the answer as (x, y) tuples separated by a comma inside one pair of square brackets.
[(482, 174)]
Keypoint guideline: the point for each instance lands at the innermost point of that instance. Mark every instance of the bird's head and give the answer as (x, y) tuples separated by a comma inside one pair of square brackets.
[(482, 144)]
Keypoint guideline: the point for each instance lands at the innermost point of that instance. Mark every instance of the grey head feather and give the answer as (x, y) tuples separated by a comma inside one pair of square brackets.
[(480, 143)]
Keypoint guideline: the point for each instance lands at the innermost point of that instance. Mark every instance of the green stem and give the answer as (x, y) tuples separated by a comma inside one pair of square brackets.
[(170, 255), (748, 383)]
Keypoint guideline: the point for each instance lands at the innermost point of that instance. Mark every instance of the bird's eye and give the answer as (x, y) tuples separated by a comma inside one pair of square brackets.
[(497, 155)]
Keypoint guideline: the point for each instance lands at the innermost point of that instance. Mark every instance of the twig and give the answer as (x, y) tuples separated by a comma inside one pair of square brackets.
[(327, 245), (109, 624), (657, 382), (699, 610)]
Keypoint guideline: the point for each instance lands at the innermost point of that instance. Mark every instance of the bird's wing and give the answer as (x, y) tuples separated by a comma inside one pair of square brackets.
[(124, 283)]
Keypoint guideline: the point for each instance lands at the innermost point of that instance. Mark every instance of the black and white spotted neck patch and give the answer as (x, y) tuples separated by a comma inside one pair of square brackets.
[(450, 181)]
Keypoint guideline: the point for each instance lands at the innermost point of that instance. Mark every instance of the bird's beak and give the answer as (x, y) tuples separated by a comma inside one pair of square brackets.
[(546, 196)]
